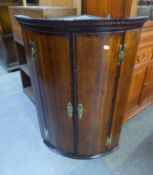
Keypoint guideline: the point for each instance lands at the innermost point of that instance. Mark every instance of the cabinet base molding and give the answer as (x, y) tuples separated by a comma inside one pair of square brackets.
[(74, 156)]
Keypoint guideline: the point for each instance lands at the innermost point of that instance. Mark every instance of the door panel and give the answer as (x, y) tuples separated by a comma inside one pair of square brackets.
[(53, 64), (136, 86), (96, 74), (125, 77), (31, 67), (147, 91)]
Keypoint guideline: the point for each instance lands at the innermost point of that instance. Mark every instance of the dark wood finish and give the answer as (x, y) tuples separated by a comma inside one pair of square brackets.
[(56, 92), (9, 53), (8, 57), (25, 68), (32, 70), (96, 88), (1, 50), (124, 79), (24, 72), (76, 61)]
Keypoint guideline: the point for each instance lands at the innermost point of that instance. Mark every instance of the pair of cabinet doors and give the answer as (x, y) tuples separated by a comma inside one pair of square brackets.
[(81, 87)]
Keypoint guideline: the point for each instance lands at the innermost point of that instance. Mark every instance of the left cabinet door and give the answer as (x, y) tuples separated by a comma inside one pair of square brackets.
[(54, 79)]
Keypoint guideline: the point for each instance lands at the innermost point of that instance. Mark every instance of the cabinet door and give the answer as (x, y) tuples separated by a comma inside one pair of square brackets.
[(135, 88), (96, 75), (147, 91), (54, 79), (125, 75), (32, 74)]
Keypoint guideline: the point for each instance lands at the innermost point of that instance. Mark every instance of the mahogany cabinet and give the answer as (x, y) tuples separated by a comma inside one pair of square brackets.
[(81, 68)]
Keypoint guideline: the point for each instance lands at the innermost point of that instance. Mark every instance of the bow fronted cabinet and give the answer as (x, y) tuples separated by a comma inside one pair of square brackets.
[(81, 69)]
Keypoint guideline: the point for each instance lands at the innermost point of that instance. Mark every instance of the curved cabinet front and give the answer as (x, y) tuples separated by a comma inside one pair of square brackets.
[(82, 70)]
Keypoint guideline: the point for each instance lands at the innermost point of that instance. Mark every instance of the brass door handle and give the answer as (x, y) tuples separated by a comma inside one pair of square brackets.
[(33, 49), (69, 110), (80, 111)]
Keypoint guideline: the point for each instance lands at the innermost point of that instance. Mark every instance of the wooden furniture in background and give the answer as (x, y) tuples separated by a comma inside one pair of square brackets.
[(81, 74), (66, 3), (8, 56), (141, 86), (35, 12), (109, 8)]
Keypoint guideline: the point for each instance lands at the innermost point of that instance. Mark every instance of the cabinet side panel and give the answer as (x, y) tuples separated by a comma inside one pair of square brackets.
[(96, 74), (31, 66), (131, 40), (53, 64)]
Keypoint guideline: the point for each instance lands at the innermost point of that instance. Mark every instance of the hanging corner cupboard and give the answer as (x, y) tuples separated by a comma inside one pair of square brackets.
[(81, 68)]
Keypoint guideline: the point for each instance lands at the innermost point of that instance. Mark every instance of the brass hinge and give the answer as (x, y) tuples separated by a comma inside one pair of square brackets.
[(121, 54), (33, 49), (46, 133), (109, 141)]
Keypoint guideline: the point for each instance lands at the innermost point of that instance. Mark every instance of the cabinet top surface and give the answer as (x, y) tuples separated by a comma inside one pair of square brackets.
[(82, 23)]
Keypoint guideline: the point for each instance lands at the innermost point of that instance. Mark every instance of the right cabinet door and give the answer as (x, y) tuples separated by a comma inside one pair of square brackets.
[(96, 69), (147, 91)]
